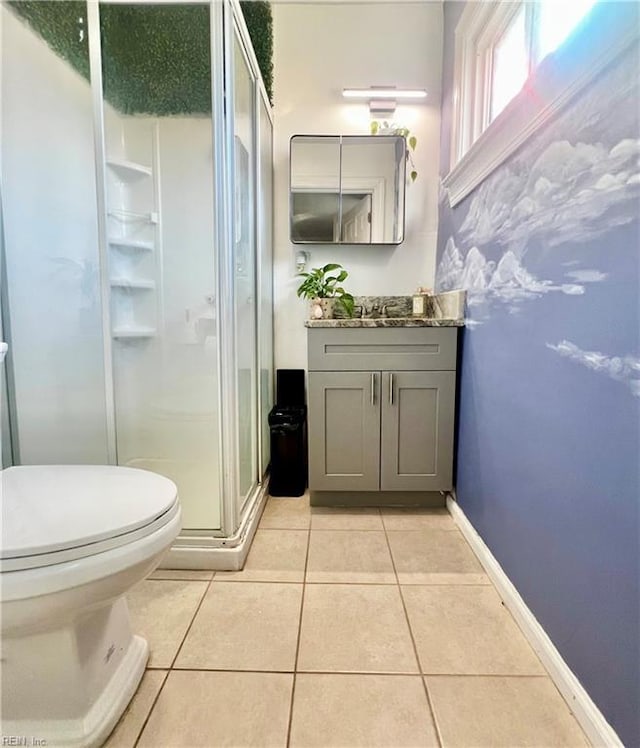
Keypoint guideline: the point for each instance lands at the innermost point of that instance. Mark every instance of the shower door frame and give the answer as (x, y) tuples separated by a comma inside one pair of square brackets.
[(262, 99), (233, 26), (100, 154), (226, 20), (8, 435), (225, 426)]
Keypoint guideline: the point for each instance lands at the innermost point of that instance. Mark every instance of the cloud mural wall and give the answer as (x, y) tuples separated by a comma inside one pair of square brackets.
[(621, 368), (548, 249), (506, 281), (571, 192)]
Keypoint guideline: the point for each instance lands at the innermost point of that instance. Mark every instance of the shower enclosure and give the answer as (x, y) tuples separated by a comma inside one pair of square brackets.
[(136, 197)]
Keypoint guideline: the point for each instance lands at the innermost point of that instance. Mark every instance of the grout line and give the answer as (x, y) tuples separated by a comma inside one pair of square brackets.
[(247, 580), (485, 675), (347, 529), (397, 673), (244, 580), (389, 673), (193, 618), (232, 580), (433, 711), (423, 530), (284, 529), (153, 706), (170, 668), (193, 669), (414, 585), (177, 579), (415, 648), (295, 665), (359, 583)]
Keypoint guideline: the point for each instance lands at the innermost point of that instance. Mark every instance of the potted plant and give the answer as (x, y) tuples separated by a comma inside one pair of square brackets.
[(324, 290)]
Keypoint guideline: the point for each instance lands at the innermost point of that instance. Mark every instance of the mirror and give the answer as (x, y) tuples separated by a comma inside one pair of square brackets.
[(347, 189)]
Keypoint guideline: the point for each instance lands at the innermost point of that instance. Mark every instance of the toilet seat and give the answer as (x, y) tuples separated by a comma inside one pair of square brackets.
[(62, 513)]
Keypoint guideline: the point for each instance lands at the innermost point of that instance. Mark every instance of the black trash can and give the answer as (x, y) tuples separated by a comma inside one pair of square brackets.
[(288, 427)]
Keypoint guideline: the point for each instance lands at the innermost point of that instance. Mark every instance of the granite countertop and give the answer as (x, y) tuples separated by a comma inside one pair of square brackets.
[(386, 322), (442, 310)]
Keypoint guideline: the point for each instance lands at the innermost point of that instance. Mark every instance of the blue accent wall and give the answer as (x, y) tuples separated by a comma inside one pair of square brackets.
[(548, 247)]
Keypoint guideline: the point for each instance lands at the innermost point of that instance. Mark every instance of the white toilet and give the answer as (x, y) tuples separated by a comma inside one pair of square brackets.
[(74, 540)]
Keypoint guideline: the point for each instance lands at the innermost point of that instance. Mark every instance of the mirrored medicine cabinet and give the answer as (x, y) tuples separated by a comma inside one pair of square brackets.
[(347, 189)]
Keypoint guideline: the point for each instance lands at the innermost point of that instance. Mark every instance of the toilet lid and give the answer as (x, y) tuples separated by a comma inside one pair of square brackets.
[(51, 508)]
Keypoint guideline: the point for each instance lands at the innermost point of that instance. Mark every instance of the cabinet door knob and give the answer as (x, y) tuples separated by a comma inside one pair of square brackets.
[(391, 388), (373, 388)]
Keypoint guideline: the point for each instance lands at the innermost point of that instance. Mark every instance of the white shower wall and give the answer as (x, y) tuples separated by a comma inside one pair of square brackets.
[(166, 385)]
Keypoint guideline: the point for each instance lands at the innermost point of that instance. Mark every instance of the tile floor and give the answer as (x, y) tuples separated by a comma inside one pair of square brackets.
[(346, 628)]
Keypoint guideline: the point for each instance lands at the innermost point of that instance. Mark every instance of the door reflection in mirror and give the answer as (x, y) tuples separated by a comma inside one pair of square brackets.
[(347, 189)]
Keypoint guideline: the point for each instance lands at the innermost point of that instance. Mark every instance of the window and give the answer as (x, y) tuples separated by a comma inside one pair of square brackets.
[(499, 48), (513, 38), (510, 67), (555, 21), (535, 32)]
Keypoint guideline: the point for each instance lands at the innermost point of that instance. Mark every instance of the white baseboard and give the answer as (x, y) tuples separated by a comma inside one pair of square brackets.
[(590, 718)]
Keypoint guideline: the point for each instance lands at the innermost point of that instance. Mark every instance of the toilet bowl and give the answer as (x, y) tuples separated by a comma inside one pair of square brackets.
[(74, 540)]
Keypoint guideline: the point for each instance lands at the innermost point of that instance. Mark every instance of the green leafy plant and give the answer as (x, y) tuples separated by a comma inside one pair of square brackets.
[(386, 128), (319, 284)]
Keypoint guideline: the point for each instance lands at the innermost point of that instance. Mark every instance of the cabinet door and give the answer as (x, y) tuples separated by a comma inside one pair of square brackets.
[(417, 430), (344, 430)]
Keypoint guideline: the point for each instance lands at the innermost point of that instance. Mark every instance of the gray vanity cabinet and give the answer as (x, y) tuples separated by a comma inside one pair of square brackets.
[(417, 430), (381, 409), (344, 440)]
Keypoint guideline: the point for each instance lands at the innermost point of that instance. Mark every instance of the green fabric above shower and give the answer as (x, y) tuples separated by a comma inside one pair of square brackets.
[(156, 58), (257, 16)]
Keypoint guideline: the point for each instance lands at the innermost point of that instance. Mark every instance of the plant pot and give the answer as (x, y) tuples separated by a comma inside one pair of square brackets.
[(322, 308)]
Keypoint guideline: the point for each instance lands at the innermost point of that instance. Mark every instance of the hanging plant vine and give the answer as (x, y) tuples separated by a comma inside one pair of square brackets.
[(385, 128)]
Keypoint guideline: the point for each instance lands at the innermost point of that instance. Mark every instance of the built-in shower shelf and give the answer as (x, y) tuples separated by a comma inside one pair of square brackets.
[(129, 171), (140, 285), (132, 244), (132, 216), (134, 332)]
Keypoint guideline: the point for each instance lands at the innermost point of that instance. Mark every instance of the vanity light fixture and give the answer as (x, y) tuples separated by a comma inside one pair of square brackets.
[(384, 98)]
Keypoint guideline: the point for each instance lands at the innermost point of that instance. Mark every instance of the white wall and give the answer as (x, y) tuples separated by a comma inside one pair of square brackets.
[(319, 49)]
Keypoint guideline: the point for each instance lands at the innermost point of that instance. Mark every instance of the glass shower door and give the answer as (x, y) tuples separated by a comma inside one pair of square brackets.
[(59, 356), (131, 244), (244, 261), (159, 177)]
